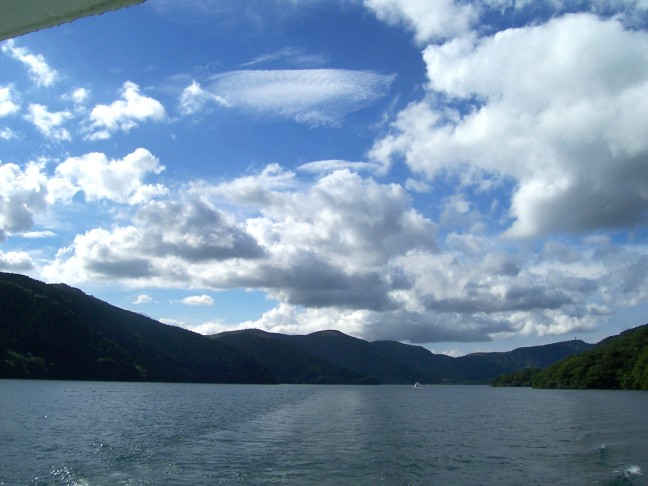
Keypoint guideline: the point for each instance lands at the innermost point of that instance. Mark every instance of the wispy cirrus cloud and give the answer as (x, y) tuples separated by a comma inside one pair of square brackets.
[(309, 96), (325, 166), (289, 55)]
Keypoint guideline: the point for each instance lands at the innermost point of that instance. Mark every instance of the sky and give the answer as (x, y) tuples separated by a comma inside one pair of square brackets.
[(465, 176)]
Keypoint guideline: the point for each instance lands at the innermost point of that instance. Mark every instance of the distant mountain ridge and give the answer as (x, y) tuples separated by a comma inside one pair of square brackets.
[(390, 362), (54, 331)]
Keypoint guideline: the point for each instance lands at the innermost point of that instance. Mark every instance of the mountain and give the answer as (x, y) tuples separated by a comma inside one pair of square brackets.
[(617, 362), (288, 361), (58, 332), (482, 367), (384, 361)]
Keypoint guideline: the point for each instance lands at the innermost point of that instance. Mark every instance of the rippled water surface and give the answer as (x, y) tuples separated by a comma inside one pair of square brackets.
[(126, 433)]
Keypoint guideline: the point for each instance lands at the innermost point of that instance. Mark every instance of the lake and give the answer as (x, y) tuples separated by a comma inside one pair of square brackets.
[(90, 433)]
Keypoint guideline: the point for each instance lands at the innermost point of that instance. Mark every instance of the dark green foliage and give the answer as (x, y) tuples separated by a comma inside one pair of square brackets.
[(55, 331), (301, 359), (482, 367), (618, 362), (523, 377), (290, 363)]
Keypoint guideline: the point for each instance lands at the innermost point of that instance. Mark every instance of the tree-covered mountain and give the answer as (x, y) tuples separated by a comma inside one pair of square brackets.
[(482, 367), (386, 361), (617, 362), (58, 332), (288, 361)]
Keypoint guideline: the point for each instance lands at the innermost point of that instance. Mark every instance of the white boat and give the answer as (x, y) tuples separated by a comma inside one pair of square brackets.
[(417, 385)]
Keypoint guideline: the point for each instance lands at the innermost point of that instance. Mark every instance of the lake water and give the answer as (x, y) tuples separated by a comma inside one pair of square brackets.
[(90, 433)]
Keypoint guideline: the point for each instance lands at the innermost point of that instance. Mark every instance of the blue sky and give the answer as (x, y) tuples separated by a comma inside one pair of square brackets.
[(468, 176)]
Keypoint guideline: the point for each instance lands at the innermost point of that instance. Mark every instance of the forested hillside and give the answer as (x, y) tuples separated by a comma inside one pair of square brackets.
[(58, 332), (618, 362)]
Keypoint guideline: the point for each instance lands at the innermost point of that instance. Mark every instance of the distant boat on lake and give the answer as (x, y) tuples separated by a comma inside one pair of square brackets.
[(417, 385)]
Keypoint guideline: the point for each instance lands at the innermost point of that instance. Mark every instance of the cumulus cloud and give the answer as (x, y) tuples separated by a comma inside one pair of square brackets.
[(443, 20), (124, 114), (119, 180), (344, 229), (8, 104), (258, 190), (194, 98), (557, 107), (23, 194), (143, 299), (198, 300), (169, 243), (310, 96), (440, 19), (7, 133), (49, 123), (15, 261), (79, 95), (40, 72), (349, 253), (193, 231)]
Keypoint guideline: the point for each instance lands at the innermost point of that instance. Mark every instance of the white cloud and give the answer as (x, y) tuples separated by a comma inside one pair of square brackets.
[(440, 19), (416, 185), (172, 322), (211, 327), (49, 123), (559, 107), (22, 195), (143, 299), (194, 98), (255, 190), (15, 261), (124, 114), (7, 134), (8, 105), (310, 96), (198, 300), (169, 243), (98, 177), (344, 229), (291, 56), (40, 72), (349, 253), (325, 166), (288, 319), (79, 95), (38, 234)]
